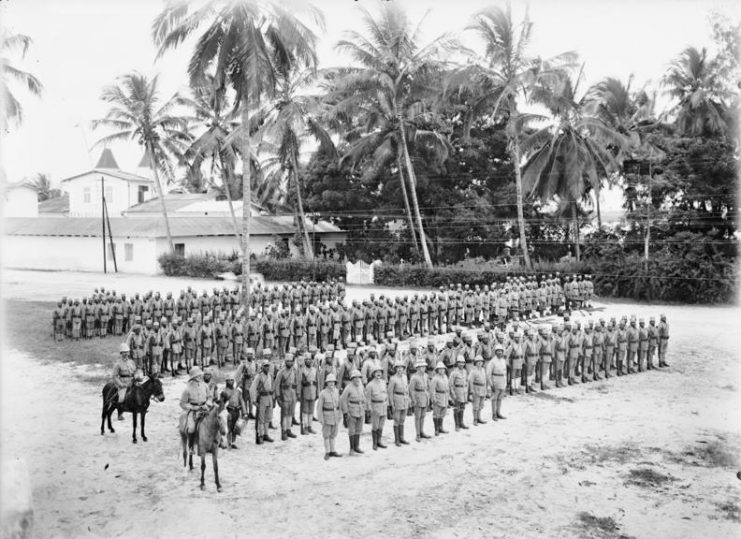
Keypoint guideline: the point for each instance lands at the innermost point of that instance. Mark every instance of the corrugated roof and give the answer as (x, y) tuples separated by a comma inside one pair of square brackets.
[(173, 202), (127, 176), (149, 227), (55, 205)]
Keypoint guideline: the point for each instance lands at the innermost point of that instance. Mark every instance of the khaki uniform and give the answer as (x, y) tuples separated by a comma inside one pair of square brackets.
[(352, 403), (193, 398), (123, 376), (262, 395), (328, 412)]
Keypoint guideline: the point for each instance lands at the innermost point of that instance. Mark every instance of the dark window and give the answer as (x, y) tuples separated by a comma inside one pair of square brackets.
[(180, 249), (142, 190)]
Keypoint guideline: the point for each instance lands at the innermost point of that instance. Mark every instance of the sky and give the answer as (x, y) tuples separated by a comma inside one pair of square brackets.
[(80, 46)]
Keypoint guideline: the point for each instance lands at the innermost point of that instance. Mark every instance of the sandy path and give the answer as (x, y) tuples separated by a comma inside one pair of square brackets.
[(568, 452)]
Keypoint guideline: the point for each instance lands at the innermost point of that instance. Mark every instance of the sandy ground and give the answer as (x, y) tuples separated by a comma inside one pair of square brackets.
[(650, 455)]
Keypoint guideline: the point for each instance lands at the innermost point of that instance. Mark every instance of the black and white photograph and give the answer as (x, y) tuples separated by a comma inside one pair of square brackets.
[(370, 269)]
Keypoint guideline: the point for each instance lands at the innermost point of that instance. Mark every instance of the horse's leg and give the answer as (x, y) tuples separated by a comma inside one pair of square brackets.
[(133, 418), (144, 436), (110, 413), (215, 462), (203, 470), (102, 418), (184, 445)]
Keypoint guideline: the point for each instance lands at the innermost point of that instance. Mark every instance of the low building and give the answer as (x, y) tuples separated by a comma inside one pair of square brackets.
[(21, 200)]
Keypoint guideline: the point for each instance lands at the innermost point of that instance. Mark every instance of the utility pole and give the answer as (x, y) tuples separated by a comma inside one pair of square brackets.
[(648, 211), (102, 219)]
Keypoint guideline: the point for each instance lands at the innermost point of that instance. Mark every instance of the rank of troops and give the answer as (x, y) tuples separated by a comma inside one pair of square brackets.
[(369, 384), (169, 334)]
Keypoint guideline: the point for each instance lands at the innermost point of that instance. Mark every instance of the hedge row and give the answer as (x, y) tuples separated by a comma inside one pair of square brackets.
[(207, 265), (296, 269), (707, 279)]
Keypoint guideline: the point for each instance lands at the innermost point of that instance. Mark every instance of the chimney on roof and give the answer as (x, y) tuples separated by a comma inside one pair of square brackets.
[(145, 166), (107, 160)]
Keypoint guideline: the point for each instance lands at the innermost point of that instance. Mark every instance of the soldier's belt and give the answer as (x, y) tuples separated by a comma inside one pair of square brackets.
[(197, 403), (499, 374), (399, 393), (124, 376), (265, 393), (478, 384), (353, 402), (439, 391), (308, 384), (330, 409), (376, 401)]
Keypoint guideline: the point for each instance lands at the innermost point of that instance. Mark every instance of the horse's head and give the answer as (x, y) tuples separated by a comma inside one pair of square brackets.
[(156, 388)]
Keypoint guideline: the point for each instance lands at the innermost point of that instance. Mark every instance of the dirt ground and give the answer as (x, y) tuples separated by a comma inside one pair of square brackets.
[(649, 455)]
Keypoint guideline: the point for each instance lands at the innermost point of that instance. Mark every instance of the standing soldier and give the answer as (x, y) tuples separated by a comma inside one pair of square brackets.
[(298, 328), (237, 335), (532, 357), (174, 340), (398, 390), (286, 396), (622, 348), (336, 335), (642, 344), (633, 338), (329, 414), (308, 394), (236, 408), (267, 333), (653, 342), (477, 389), (222, 340), (610, 342), (598, 352), (168, 307), (312, 325), (206, 340), (458, 392), (284, 333), (440, 396), (324, 321), (245, 374), (58, 321), (419, 393), (352, 403), (587, 351), (560, 349), (547, 348), (117, 315), (515, 353), (497, 378), (261, 392), (414, 315), (136, 344), (123, 373), (190, 339), (663, 340), (376, 398), (575, 347)]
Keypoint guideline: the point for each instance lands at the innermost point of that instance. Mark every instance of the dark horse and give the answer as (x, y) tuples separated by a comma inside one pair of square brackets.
[(209, 431), (136, 401)]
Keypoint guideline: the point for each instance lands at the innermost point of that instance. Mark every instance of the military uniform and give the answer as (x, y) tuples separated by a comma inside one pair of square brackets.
[(376, 398), (352, 404), (477, 389), (419, 394), (261, 393), (440, 396), (398, 390), (330, 415), (458, 384), (286, 394)]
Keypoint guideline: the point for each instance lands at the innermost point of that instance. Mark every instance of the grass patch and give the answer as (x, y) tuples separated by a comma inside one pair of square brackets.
[(600, 527), (28, 329), (716, 454), (647, 478)]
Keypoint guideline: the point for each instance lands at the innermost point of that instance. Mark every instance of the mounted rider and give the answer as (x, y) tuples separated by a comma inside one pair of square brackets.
[(195, 401), (124, 374)]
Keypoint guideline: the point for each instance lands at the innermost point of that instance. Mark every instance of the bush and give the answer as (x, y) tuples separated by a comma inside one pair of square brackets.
[(299, 268), (691, 272), (202, 265)]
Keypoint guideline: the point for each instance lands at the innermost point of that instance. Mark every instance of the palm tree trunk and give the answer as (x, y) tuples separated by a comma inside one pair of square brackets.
[(299, 200), (161, 195), (597, 188), (406, 202), (515, 156), (226, 178), (575, 216), (246, 202), (413, 190)]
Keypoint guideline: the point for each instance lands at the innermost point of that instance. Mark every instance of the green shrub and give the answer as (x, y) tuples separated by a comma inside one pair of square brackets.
[(299, 268), (202, 265)]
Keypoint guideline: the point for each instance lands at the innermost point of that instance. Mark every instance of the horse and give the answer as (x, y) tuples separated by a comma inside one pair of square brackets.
[(136, 401), (209, 431)]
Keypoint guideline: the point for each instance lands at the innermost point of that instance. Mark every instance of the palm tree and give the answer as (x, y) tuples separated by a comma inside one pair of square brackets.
[(41, 183), (701, 109), (504, 77), (11, 43), (573, 155), (289, 119), (388, 89), (212, 112), (246, 44), (137, 113)]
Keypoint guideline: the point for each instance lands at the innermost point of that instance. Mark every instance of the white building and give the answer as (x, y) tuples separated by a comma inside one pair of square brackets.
[(122, 189), (21, 200)]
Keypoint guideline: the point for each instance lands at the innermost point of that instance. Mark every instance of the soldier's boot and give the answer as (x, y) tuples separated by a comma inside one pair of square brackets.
[(456, 421), (351, 437), (303, 429), (417, 437), (290, 434), (266, 437), (367, 418), (294, 422), (397, 443), (310, 430), (437, 426), (440, 423), (258, 439), (401, 435), (460, 415), (478, 418), (374, 435), (422, 430), (357, 445), (270, 425), (283, 435), (379, 437), (619, 370)]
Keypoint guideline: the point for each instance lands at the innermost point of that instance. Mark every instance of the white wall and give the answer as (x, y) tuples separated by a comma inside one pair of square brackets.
[(21, 202), (77, 254), (215, 244), (120, 195)]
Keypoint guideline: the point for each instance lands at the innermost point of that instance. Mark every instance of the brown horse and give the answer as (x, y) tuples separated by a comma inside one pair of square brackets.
[(136, 401), (209, 431)]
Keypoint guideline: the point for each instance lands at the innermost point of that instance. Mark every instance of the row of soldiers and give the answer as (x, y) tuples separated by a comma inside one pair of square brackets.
[(373, 383), (316, 312)]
